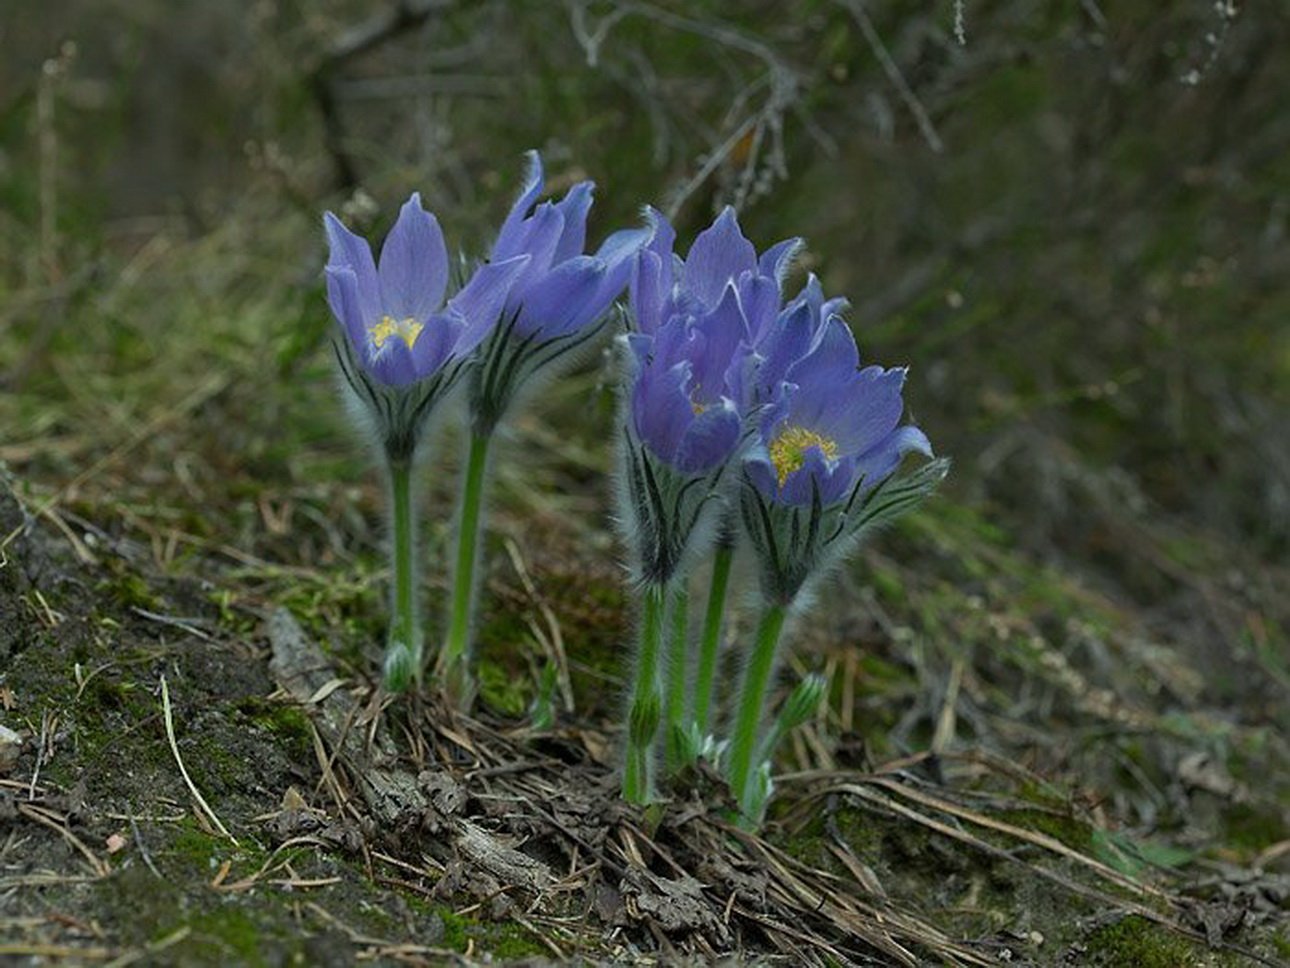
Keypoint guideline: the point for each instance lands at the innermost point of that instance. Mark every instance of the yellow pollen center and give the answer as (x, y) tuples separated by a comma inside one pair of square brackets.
[(405, 329), (788, 450)]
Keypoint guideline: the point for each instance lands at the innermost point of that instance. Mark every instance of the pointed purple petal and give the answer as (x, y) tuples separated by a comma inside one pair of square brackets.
[(881, 460), (619, 247), (832, 361), (346, 306), (618, 253), (481, 300), (541, 234), (724, 332), (759, 295), (812, 295), (663, 237), (776, 261), (645, 294), (350, 251), (834, 307), (392, 364), (574, 208), (787, 340), (509, 238), (710, 439), (719, 254), (661, 409), (857, 415), (436, 342), (564, 300), (414, 264)]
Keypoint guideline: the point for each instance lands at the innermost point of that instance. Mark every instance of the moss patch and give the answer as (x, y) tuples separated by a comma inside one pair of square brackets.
[(1134, 942)]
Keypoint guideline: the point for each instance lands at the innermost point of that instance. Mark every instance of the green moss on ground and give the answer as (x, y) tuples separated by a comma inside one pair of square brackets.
[(1135, 942)]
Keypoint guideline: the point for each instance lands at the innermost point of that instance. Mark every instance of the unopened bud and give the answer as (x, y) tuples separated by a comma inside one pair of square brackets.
[(803, 702), (643, 721)]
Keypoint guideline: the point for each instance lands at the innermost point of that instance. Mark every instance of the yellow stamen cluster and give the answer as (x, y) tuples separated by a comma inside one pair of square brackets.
[(788, 450), (405, 329)]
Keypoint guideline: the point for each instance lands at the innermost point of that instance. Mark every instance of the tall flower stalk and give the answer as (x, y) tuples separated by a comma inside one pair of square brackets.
[(710, 638), (400, 349), (555, 305), (818, 480), (675, 741)]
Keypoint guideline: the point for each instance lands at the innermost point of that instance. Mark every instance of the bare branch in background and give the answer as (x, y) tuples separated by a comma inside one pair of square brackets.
[(1227, 11), (404, 16), (754, 138), (861, 16)]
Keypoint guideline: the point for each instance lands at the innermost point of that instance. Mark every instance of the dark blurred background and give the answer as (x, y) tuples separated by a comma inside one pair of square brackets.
[(1070, 218)]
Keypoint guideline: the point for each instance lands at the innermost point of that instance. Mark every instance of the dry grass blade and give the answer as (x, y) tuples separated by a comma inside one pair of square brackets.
[(67, 952), (183, 770), (150, 951), (1074, 887), (1020, 833), (877, 924)]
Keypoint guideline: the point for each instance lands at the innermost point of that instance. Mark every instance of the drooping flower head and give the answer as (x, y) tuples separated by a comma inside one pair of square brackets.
[(836, 427), (561, 289), (394, 314)]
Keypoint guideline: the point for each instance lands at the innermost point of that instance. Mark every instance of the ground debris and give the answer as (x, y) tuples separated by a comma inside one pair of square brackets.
[(10, 748), (675, 905), (339, 835)]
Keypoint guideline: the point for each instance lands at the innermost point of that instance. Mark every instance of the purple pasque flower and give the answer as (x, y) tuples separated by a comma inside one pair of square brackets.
[(833, 427), (394, 313), (684, 386), (664, 285), (561, 290), (784, 339)]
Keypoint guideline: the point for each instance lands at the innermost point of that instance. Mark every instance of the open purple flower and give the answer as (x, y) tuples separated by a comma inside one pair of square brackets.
[(561, 289), (836, 428), (394, 313), (820, 478), (403, 348)]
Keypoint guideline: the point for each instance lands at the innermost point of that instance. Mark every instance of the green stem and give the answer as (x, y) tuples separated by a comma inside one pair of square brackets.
[(752, 702), (643, 716), (454, 662), (677, 665), (404, 646), (710, 641)]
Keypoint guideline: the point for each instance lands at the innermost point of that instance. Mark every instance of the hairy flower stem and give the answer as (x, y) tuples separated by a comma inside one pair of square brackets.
[(454, 662), (752, 703), (404, 646), (643, 716), (674, 746), (710, 639)]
